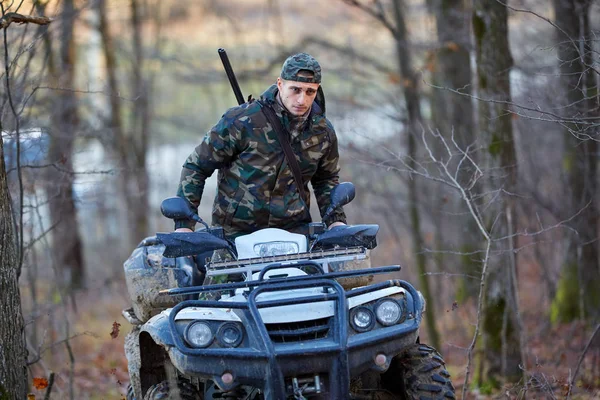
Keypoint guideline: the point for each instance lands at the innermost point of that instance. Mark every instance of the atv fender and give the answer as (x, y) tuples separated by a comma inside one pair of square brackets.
[(158, 328), (146, 349)]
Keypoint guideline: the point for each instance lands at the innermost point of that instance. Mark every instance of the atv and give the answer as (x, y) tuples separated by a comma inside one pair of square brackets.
[(294, 317)]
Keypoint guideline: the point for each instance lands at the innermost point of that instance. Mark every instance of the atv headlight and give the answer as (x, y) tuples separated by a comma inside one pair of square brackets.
[(362, 319), (388, 312), (276, 249), (230, 334), (198, 334)]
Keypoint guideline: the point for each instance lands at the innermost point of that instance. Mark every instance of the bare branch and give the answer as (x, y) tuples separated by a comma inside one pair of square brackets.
[(580, 120), (66, 171), (378, 14), (448, 274), (572, 382), (50, 384), (454, 183), (66, 340), (548, 20), (9, 18), (560, 224)]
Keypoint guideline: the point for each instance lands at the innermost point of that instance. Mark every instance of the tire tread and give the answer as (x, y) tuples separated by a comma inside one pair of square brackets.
[(425, 375)]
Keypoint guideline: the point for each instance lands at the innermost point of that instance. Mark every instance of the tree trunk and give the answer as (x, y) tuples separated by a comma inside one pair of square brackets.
[(13, 356), (141, 131), (119, 142), (453, 115), (130, 149), (67, 247), (501, 332), (580, 275), (452, 70), (411, 96)]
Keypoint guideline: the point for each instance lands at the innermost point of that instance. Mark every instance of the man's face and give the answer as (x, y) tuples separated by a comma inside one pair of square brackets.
[(297, 97)]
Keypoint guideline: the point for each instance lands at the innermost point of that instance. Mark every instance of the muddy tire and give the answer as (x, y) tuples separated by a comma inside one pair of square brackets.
[(424, 374), (184, 391)]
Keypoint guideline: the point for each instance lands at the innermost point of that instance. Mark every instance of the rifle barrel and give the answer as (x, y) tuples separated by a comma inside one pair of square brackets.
[(231, 76)]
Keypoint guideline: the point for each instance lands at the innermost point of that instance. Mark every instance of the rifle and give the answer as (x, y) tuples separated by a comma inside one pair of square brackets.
[(231, 76)]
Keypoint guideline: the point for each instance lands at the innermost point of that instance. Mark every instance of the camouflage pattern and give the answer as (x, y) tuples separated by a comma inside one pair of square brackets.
[(298, 62), (256, 188)]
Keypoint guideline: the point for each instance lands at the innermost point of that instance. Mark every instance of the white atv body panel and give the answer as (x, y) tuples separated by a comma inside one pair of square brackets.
[(208, 314), (309, 311), (245, 244)]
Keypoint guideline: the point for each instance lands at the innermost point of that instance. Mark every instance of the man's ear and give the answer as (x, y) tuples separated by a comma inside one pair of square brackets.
[(279, 83)]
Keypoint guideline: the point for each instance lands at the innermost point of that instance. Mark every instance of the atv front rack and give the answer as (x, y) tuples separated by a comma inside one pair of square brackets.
[(273, 281), (250, 265)]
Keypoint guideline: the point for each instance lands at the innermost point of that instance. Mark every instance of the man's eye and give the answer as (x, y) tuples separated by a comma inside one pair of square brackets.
[(296, 90), (311, 92)]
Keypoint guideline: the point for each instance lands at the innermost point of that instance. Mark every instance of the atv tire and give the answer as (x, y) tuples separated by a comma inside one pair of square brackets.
[(130, 395), (185, 391), (424, 374)]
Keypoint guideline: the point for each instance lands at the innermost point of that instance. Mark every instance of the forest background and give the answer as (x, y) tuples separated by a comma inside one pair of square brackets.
[(469, 128)]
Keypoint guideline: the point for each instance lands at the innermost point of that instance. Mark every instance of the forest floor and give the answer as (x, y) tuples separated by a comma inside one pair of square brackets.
[(99, 369)]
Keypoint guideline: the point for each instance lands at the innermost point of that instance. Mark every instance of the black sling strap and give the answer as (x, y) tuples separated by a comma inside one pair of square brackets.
[(283, 135)]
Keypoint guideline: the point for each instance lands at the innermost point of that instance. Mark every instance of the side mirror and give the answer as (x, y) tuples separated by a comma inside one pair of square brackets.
[(341, 195), (177, 208)]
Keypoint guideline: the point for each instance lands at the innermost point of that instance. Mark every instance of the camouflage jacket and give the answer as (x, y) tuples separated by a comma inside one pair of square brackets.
[(256, 187)]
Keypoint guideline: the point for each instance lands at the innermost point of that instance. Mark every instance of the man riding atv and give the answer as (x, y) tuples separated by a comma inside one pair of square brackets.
[(287, 328), (267, 151)]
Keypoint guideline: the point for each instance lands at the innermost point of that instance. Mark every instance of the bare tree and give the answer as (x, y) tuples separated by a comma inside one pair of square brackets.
[(141, 130), (142, 113), (13, 354), (413, 118), (501, 330), (67, 247), (453, 114), (130, 144), (577, 294), (415, 124)]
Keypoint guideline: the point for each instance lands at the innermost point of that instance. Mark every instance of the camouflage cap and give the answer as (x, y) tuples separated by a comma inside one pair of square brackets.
[(297, 63)]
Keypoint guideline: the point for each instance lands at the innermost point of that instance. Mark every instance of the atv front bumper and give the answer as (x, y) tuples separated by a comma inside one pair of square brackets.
[(331, 361)]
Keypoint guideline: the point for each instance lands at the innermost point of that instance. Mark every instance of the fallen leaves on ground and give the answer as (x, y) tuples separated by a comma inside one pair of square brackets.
[(115, 330), (40, 383)]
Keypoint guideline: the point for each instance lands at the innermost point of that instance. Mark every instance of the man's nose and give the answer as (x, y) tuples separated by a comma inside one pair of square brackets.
[(302, 98)]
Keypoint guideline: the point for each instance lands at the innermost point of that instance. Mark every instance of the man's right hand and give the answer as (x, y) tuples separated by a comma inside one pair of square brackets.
[(183, 230)]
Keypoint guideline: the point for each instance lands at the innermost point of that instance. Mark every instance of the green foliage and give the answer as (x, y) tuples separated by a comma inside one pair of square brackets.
[(565, 305), (56, 297), (492, 324), (480, 383), (493, 321), (487, 387), (567, 162), (495, 147), (4, 395)]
